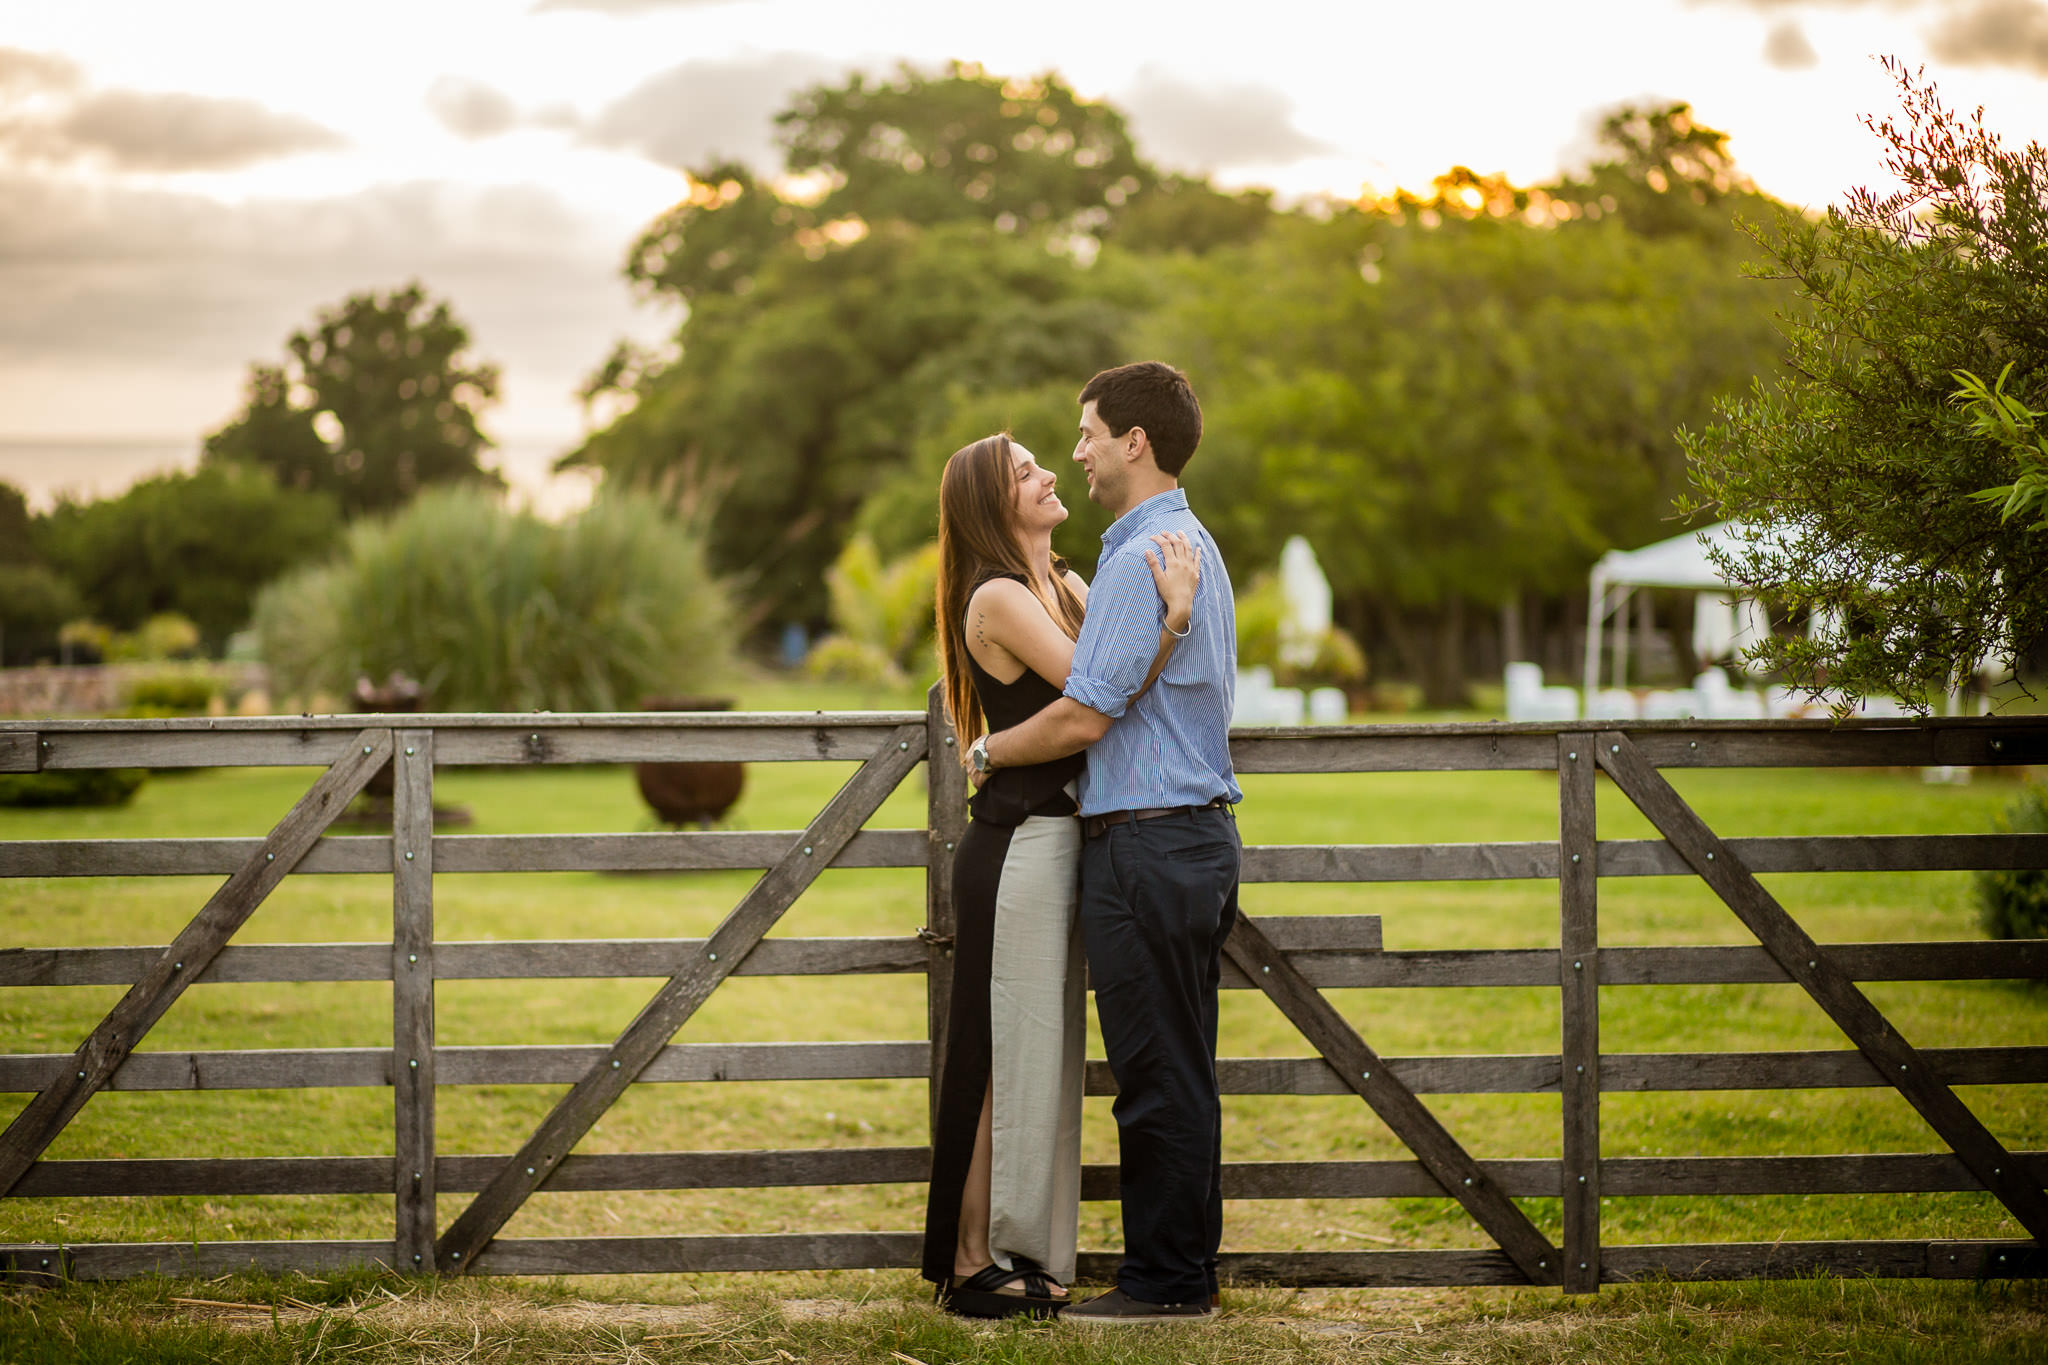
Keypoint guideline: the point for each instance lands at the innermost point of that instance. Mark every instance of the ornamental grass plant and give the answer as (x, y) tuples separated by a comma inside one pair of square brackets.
[(496, 610)]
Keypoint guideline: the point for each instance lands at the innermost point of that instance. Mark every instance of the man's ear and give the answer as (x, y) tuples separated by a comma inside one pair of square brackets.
[(1135, 441)]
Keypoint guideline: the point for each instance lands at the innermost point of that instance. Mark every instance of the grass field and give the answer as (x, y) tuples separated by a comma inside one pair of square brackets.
[(1290, 809)]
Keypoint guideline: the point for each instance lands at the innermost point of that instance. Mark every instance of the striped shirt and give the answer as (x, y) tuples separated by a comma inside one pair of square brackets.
[(1173, 747)]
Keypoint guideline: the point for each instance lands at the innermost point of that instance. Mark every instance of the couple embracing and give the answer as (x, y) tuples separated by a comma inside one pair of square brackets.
[(1094, 721)]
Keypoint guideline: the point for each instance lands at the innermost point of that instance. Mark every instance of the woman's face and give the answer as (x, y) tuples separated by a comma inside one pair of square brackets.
[(1038, 501)]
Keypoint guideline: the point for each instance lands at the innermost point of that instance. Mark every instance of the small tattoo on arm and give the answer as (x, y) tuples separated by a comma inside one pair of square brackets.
[(979, 621)]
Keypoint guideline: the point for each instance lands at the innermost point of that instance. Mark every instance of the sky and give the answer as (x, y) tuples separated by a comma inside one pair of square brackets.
[(182, 185)]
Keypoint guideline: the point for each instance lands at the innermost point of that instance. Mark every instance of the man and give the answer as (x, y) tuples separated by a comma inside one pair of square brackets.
[(1159, 858)]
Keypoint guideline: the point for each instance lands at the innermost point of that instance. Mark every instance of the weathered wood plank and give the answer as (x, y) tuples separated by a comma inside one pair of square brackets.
[(2014, 959), (19, 752), (655, 852), (675, 1002), (1974, 1260), (2010, 959), (411, 967), (513, 744), (110, 1042), (373, 1174), (1859, 1173), (1578, 861), (1519, 1177), (1795, 950), (318, 1068), (675, 1255), (126, 1260), (1363, 1071), (1798, 1260), (945, 825), (1265, 863), (321, 1068), (1813, 1070), (206, 1175), (646, 957), (1838, 853), (1399, 862)]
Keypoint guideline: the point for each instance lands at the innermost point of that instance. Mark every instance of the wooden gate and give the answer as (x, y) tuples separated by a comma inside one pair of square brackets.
[(1291, 959)]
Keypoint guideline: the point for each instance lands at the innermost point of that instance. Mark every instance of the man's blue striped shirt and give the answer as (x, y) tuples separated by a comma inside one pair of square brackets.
[(1173, 747)]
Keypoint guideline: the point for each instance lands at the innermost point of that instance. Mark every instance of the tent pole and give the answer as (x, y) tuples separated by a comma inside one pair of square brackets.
[(1596, 602)]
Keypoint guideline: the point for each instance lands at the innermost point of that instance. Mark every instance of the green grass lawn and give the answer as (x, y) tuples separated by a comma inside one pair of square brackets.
[(1278, 809)]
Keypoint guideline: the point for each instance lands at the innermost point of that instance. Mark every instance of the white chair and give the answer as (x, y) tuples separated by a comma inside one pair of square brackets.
[(1327, 706), (1529, 699), (1721, 700), (1680, 703), (1611, 703)]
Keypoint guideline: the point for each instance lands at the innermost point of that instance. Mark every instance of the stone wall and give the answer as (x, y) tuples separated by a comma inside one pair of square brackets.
[(56, 690)]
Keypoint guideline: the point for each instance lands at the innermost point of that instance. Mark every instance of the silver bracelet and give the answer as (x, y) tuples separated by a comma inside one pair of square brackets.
[(1178, 634)]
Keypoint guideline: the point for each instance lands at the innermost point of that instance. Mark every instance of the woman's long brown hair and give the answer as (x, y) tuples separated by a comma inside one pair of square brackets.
[(977, 541)]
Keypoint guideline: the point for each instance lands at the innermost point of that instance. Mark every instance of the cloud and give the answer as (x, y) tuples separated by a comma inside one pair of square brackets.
[(1207, 127), (45, 119), (689, 113), (1787, 48), (470, 109), (31, 72), (145, 131), (1994, 33)]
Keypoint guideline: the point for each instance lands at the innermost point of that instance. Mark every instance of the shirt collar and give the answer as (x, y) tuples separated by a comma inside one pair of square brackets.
[(1134, 521)]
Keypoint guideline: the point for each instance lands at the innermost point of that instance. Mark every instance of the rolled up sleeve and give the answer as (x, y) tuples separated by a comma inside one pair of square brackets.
[(1119, 638)]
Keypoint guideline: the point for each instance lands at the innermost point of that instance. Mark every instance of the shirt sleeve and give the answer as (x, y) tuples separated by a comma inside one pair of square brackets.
[(1119, 637)]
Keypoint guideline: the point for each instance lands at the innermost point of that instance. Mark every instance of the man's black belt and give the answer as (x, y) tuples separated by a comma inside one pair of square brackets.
[(1094, 825)]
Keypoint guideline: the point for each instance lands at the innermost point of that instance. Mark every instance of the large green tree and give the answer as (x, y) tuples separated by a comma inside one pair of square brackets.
[(379, 399), (790, 403), (198, 544), (1858, 473), (933, 259), (1456, 402)]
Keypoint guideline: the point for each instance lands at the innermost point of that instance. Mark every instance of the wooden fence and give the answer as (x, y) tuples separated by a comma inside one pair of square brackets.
[(1290, 958)]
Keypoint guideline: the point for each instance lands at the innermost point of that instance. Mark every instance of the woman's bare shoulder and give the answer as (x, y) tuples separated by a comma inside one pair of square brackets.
[(1078, 584)]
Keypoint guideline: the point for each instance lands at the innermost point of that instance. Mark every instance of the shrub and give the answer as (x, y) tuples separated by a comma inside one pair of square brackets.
[(72, 787), (2015, 904), (1260, 610), (171, 694), (883, 613), (499, 611)]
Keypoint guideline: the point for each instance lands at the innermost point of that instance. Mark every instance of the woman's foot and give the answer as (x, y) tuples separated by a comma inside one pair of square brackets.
[(1024, 1290)]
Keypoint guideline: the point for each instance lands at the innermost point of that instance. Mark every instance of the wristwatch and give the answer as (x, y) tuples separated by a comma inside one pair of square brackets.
[(977, 754)]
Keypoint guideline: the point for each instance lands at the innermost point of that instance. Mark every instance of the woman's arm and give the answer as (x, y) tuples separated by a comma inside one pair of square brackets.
[(1009, 632)]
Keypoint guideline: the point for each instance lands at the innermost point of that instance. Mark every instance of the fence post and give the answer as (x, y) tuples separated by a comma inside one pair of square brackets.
[(945, 822), (412, 995), (1578, 885)]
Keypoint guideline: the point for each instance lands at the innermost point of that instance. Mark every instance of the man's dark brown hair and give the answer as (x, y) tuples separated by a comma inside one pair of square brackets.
[(1157, 397)]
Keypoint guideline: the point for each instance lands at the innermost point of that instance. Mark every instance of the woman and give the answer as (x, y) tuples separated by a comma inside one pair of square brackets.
[(1004, 1206)]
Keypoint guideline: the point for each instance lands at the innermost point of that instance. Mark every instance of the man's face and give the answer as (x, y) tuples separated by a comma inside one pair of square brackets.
[(1101, 457)]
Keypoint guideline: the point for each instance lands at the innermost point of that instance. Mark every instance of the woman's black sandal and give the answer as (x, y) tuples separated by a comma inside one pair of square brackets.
[(980, 1295)]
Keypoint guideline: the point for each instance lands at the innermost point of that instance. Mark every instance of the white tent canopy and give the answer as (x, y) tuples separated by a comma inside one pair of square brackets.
[(1680, 562)]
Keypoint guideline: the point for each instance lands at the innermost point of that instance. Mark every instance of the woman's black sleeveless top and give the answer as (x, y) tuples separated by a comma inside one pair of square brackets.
[(1011, 794)]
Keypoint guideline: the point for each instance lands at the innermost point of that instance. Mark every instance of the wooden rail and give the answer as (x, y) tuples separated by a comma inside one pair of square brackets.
[(1293, 959)]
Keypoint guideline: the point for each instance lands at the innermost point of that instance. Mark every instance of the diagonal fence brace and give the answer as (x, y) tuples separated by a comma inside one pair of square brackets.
[(1896, 1060), (672, 1006), (117, 1035), (1397, 1106)]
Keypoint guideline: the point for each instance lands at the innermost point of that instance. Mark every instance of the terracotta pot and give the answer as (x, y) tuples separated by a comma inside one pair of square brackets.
[(689, 793)]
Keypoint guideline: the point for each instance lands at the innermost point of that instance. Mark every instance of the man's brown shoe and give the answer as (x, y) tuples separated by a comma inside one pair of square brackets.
[(1116, 1308)]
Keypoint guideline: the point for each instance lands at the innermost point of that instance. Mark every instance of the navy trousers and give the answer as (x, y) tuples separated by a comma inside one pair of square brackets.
[(1158, 897)]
